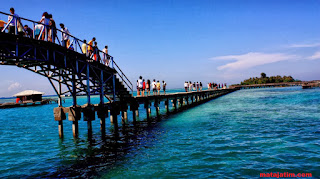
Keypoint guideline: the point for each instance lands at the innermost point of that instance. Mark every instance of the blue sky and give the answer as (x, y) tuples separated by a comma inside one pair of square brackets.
[(176, 40)]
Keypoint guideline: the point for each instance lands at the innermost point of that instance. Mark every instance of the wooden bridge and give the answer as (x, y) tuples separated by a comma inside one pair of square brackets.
[(81, 74)]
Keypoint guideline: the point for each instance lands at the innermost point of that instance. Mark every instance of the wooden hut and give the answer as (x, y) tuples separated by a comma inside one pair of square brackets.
[(29, 96)]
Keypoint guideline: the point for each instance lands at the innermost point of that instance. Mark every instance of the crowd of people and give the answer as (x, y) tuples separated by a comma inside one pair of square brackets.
[(217, 86), (195, 86), (146, 87), (46, 30)]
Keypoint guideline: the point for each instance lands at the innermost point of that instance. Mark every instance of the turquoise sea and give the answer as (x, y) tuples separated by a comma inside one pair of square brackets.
[(239, 135)]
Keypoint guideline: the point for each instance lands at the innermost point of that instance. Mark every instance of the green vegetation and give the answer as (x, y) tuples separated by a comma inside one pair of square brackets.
[(264, 79)]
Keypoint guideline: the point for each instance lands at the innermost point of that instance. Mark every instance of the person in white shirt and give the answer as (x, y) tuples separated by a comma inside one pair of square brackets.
[(190, 86), (154, 87), (45, 20), (186, 86), (105, 56), (12, 21), (140, 85), (64, 35)]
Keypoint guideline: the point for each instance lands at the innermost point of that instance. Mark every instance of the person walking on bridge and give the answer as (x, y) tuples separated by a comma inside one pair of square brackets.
[(140, 85), (45, 24), (105, 56), (64, 35), (84, 47), (186, 86), (90, 46), (158, 87), (154, 87), (96, 55), (148, 87), (143, 87), (164, 85), (12, 21)]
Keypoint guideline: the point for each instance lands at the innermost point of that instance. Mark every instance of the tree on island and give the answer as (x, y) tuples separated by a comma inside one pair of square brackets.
[(264, 79)]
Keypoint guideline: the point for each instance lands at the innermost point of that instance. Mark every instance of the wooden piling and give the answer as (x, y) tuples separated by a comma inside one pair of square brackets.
[(74, 115), (59, 115), (156, 105), (60, 129), (146, 106), (113, 119), (89, 116), (166, 104), (124, 117)]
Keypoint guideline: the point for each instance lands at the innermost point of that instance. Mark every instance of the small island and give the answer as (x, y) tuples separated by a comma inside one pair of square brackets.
[(272, 79)]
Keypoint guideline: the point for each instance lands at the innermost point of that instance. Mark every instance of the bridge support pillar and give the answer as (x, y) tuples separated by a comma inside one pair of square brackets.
[(135, 112), (124, 117), (174, 104), (156, 105), (74, 115), (166, 104), (148, 110), (102, 113), (89, 116), (59, 115), (113, 117), (180, 103), (187, 101)]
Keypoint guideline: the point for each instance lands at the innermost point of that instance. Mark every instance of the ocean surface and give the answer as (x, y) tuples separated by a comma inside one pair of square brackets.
[(239, 135)]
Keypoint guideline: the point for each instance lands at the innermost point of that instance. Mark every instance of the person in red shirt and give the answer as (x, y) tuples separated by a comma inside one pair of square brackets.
[(143, 87)]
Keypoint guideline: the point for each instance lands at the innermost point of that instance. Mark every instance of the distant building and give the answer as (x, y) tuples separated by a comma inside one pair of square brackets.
[(28, 96)]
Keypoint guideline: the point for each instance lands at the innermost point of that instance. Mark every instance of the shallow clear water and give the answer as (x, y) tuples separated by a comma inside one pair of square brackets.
[(240, 135)]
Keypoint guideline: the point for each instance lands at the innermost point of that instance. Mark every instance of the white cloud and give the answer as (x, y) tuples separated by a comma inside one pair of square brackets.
[(304, 45), (14, 86), (252, 59), (315, 56)]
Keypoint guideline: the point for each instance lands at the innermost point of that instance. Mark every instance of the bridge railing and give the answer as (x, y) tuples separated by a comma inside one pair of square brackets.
[(51, 34)]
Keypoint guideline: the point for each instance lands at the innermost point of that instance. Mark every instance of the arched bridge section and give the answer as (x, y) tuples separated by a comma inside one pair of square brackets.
[(81, 73)]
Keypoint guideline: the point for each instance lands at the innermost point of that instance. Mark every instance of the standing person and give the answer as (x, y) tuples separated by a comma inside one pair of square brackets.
[(13, 21), (140, 85), (190, 86), (148, 87), (90, 46), (143, 87), (200, 86), (105, 56), (225, 85), (51, 32), (64, 35), (138, 92), (164, 85), (96, 55), (158, 87), (209, 85), (45, 20), (154, 87), (186, 85), (53, 28), (197, 85), (194, 86), (84, 47)]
